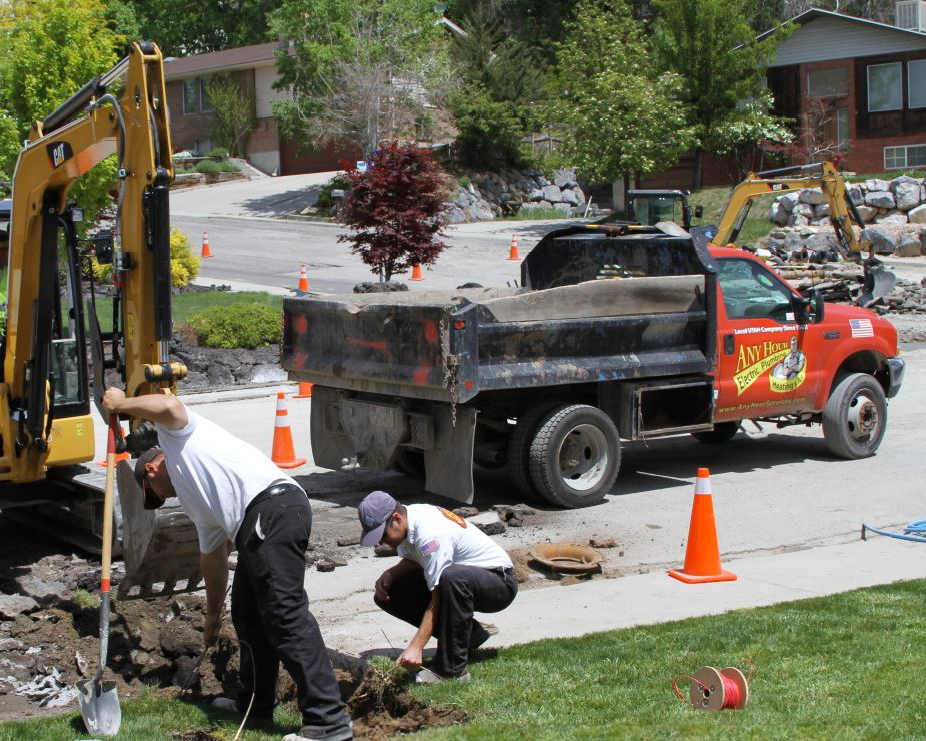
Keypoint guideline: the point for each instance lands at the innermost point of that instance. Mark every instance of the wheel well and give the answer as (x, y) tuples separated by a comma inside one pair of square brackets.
[(869, 362)]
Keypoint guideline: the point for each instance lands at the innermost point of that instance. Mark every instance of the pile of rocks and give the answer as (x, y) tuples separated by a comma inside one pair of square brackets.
[(489, 195), (893, 211)]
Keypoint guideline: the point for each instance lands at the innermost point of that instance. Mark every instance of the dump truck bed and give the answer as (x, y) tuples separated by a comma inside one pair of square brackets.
[(595, 308)]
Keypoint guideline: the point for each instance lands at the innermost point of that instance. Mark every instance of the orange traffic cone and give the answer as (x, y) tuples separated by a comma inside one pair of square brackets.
[(416, 272), (303, 281), (283, 454), (304, 392), (206, 251), (702, 555), (513, 253)]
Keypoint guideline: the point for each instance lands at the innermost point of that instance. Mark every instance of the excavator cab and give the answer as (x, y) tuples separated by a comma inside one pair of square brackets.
[(649, 207)]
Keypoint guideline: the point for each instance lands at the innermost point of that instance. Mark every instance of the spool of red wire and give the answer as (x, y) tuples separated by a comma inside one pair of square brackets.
[(713, 689)]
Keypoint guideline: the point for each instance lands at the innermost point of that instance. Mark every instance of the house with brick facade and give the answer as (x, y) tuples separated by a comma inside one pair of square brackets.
[(856, 87), (192, 116)]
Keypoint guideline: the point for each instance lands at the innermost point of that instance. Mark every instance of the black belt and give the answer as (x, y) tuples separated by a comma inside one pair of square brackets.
[(273, 491), (503, 570)]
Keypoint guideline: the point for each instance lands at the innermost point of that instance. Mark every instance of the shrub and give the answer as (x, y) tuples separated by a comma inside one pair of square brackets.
[(325, 199), (218, 153), (184, 263), (209, 167), (229, 166), (238, 325)]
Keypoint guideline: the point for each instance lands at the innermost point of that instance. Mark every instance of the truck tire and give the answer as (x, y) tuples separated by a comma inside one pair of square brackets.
[(575, 456), (722, 432), (518, 454), (855, 416), (410, 463)]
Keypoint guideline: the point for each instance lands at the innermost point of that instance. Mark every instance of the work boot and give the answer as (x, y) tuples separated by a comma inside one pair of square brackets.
[(230, 705), (342, 732), (429, 676), (480, 633)]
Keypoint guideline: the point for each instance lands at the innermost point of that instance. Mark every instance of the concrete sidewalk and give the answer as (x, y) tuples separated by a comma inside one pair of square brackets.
[(607, 604)]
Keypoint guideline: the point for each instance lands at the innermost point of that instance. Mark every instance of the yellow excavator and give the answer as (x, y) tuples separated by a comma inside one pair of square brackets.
[(842, 214), (49, 378)]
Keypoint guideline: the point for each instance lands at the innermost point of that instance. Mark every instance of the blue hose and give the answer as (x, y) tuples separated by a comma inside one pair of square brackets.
[(919, 526)]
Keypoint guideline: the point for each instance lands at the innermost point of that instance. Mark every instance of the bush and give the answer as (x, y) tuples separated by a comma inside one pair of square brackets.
[(229, 166), (218, 153), (209, 167), (239, 325), (325, 199), (184, 263)]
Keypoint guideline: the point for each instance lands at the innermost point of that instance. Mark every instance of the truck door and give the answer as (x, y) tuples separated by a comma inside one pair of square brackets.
[(768, 359)]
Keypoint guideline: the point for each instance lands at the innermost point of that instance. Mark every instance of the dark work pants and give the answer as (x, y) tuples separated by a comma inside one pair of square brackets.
[(462, 590), (270, 612)]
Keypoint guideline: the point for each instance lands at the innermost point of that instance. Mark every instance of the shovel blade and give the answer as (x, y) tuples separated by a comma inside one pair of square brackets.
[(99, 706)]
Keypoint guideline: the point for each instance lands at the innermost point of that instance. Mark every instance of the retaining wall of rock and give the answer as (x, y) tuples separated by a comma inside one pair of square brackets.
[(488, 195)]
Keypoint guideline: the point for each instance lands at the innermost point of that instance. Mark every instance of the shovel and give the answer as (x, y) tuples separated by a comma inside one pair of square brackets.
[(99, 703)]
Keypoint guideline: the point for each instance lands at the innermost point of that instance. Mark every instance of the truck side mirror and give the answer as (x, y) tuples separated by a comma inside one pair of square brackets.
[(810, 310), (818, 304), (699, 212)]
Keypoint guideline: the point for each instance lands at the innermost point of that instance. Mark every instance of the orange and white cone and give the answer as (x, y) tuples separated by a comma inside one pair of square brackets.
[(303, 281), (283, 454), (206, 252), (702, 555), (513, 252), (416, 272), (305, 390)]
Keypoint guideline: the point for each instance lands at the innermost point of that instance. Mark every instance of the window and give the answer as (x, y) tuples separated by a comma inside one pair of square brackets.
[(751, 291), (204, 99), (827, 83), (884, 87), (898, 158), (189, 96), (842, 128), (916, 83)]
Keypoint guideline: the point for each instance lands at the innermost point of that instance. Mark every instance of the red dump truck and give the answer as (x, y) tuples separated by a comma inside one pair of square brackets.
[(618, 332)]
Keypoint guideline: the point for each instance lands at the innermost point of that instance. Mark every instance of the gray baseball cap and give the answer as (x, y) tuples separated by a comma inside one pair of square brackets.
[(374, 512)]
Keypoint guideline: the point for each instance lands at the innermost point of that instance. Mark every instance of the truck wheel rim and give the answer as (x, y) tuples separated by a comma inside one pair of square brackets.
[(583, 458), (862, 417)]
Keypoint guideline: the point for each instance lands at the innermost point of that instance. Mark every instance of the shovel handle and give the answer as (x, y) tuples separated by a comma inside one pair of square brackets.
[(114, 431)]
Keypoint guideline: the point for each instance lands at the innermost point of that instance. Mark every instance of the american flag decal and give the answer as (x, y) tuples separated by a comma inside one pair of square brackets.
[(861, 328), (428, 548)]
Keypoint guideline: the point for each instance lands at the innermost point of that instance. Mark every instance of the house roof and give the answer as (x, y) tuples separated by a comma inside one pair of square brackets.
[(242, 57), (823, 35)]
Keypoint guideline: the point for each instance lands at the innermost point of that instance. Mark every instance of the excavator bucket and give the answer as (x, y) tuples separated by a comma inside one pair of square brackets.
[(160, 547), (878, 282)]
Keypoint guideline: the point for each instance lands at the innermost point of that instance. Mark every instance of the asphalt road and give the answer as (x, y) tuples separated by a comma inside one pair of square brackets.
[(773, 489), (257, 242)]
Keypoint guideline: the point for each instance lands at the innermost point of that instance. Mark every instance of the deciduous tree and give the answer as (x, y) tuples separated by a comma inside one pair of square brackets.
[(714, 49), (48, 50), (619, 114), (357, 70), (235, 116), (395, 209)]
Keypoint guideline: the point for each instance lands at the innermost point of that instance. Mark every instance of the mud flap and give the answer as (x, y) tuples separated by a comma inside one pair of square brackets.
[(160, 547), (449, 464)]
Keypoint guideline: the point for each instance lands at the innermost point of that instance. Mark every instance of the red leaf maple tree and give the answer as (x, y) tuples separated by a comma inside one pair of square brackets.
[(395, 209)]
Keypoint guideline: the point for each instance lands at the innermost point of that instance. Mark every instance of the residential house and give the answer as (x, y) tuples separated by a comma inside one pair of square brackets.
[(254, 68), (856, 87)]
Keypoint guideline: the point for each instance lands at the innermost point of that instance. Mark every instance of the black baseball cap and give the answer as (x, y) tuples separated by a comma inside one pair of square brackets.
[(152, 500)]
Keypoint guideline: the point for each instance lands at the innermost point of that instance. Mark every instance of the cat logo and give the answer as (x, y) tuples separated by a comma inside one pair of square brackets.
[(59, 153)]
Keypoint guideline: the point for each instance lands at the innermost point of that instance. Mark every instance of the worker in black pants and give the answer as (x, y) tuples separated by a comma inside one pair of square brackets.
[(448, 570), (232, 491)]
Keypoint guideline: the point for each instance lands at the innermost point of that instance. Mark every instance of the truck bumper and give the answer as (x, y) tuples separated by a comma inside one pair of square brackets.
[(895, 370)]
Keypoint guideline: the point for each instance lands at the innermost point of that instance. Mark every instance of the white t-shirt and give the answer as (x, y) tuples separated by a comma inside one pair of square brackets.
[(438, 538), (215, 475)]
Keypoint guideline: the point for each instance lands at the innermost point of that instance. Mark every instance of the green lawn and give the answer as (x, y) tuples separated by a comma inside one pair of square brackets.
[(842, 667)]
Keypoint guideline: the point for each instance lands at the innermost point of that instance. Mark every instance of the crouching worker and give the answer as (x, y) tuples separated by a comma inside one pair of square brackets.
[(232, 491), (449, 569)]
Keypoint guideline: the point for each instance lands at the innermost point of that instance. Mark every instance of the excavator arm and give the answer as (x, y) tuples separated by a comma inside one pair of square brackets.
[(46, 427), (843, 215), (92, 125)]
